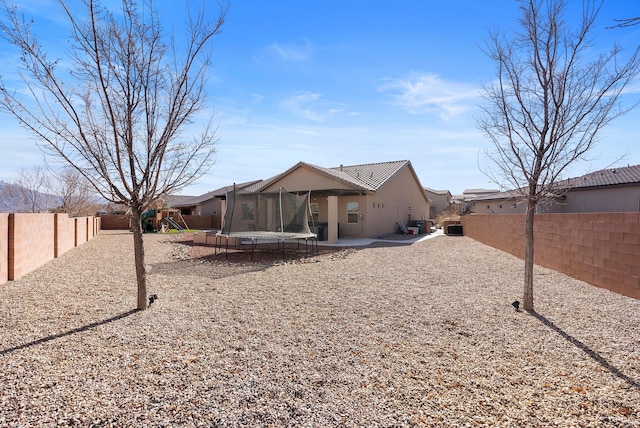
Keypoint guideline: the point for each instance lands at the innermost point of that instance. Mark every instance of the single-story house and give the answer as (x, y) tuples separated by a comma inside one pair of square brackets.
[(607, 190), (367, 200), (439, 201), (463, 203)]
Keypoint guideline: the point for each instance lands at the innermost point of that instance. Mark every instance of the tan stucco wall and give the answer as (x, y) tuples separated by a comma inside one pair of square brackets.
[(322, 207), (609, 199), (352, 229), (438, 203), (510, 206), (600, 200), (304, 179), (400, 194), (210, 207), (390, 205)]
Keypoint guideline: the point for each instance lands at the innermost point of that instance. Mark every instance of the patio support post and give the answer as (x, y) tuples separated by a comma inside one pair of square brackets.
[(332, 208), (223, 210)]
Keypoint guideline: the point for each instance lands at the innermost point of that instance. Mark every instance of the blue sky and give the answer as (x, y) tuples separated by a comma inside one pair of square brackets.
[(349, 82)]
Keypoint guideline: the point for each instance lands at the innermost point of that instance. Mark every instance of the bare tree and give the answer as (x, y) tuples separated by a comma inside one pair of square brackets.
[(30, 191), (76, 194), (550, 101), (118, 114)]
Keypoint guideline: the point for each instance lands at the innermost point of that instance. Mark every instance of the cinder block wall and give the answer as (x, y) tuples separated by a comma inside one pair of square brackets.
[(65, 234), (97, 225), (114, 222), (81, 230), (4, 247), (31, 242), (27, 241), (602, 249)]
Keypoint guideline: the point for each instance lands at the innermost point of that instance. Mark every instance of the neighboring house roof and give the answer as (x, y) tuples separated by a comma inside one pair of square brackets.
[(470, 195), (437, 192), (508, 194), (189, 201), (605, 177), (176, 200), (473, 193), (628, 175), (366, 177)]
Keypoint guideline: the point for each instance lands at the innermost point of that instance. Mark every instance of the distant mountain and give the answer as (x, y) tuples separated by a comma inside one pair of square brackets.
[(7, 204), (14, 199)]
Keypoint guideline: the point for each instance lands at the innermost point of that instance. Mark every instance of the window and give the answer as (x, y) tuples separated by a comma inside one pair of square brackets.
[(353, 212), (315, 210), (248, 209)]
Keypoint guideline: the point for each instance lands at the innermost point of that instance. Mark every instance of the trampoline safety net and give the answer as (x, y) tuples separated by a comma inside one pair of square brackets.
[(280, 214)]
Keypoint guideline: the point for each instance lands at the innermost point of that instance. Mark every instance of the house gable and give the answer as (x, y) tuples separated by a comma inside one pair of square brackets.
[(305, 177)]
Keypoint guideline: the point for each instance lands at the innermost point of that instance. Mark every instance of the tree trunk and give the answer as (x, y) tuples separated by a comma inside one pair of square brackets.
[(138, 248), (527, 298)]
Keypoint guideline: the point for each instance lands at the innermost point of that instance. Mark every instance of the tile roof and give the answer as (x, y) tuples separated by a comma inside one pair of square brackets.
[(437, 192), (373, 175), (604, 177), (187, 201), (177, 200), (508, 194), (367, 177)]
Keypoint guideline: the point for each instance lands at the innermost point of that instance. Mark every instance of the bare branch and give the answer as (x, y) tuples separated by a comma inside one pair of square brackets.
[(549, 102), (121, 114)]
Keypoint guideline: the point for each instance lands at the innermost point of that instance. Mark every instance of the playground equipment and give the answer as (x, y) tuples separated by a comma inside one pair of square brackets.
[(158, 220), (277, 216), (147, 226), (173, 224)]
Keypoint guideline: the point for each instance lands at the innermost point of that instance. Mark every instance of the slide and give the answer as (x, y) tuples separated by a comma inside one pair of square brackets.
[(173, 224), (143, 219)]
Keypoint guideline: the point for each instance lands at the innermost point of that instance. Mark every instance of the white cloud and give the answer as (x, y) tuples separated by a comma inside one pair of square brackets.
[(423, 93), (633, 87), (309, 105), (290, 53)]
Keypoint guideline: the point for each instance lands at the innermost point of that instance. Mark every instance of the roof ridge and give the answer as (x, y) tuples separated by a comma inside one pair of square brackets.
[(370, 164)]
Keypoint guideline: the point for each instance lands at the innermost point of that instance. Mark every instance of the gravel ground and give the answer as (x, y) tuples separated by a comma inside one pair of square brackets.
[(406, 335)]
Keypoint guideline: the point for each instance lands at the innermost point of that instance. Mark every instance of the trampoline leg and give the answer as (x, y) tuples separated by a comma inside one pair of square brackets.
[(254, 243)]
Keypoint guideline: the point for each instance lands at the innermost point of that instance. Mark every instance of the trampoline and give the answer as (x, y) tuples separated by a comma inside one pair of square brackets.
[(267, 217)]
